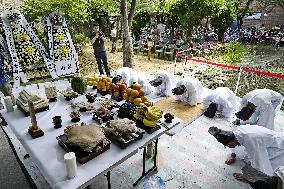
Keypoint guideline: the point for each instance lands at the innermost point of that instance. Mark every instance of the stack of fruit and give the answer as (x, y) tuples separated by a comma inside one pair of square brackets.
[(135, 95), (103, 85), (118, 90), (93, 81), (126, 110), (149, 115)]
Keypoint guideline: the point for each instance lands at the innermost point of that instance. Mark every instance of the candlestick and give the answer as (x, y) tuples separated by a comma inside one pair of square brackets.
[(34, 130), (8, 103), (71, 165)]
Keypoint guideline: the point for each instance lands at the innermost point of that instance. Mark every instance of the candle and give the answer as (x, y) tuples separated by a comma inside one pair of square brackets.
[(8, 103), (71, 166)]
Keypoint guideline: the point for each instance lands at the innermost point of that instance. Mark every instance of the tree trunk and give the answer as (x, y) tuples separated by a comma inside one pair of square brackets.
[(127, 41), (243, 14), (189, 38), (131, 13)]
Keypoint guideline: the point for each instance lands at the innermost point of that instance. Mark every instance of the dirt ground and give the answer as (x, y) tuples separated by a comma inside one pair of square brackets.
[(141, 63)]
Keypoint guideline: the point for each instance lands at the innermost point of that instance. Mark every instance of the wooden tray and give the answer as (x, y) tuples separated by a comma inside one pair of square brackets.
[(82, 156), (149, 130), (114, 140)]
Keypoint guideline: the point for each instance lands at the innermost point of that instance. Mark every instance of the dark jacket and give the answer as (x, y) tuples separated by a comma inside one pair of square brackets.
[(99, 44)]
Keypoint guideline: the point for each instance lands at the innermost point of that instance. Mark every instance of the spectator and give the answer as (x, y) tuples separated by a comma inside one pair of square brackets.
[(98, 42), (113, 34)]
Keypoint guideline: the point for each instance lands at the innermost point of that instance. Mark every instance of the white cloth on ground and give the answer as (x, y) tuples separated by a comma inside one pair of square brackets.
[(264, 147), (194, 91), (225, 99), (267, 102), (169, 82)]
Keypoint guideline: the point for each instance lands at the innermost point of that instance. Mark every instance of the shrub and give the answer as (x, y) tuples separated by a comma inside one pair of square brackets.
[(234, 52)]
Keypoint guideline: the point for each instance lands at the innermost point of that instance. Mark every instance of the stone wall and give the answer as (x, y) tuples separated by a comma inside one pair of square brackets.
[(274, 16)]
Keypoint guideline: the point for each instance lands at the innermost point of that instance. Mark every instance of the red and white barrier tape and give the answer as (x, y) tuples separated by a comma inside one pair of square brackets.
[(246, 69)]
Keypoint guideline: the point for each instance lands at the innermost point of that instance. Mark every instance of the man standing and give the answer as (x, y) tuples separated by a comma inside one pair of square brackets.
[(98, 42)]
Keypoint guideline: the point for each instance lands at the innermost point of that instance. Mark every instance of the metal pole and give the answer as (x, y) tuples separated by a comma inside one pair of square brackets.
[(238, 82)]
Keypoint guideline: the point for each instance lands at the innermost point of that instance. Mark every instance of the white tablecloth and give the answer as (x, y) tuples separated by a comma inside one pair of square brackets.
[(48, 155)]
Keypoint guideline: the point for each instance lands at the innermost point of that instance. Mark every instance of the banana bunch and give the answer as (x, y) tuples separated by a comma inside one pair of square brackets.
[(149, 115), (93, 81), (152, 116), (140, 113), (104, 84)]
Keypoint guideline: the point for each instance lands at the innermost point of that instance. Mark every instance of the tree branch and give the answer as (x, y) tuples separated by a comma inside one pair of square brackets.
[(131, 13)]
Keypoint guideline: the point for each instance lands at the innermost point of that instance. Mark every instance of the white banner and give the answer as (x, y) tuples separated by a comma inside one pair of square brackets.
[(61, 48), (23, 44)]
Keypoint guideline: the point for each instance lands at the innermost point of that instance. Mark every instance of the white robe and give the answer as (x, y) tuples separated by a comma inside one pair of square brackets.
[(169, 82), (130, 76), (267, 102), (226, 100), (264, 147), (194, 91)]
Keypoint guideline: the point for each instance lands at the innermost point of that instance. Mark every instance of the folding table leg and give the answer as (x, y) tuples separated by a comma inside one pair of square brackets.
[(108, 180), (144, 173)]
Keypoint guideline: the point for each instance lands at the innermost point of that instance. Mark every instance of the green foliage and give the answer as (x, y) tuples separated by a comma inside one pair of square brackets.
[(78, 12), (191, 12), (223, 20), (234, 52), (141, 19), (81, 39)]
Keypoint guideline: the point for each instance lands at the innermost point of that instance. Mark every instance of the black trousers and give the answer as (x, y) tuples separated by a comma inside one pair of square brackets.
[(101, 59)]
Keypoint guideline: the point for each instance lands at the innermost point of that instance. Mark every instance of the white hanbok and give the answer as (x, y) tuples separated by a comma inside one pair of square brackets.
[(194, 91), (226, 100), (264, 147), (267, 103), (169, 82), (128, 75)]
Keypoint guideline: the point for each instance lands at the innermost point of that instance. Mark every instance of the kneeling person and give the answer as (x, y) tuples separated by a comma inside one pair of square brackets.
[(264, 147), (221, 100), (258, 107), (189, 90)]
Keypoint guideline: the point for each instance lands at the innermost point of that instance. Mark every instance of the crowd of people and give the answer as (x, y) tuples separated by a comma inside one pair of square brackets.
[(257, 35)]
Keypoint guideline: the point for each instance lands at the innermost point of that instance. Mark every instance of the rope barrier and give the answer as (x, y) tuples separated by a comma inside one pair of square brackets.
[(238, 68)]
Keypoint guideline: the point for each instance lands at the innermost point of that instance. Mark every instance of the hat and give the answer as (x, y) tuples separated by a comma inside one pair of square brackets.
[(222, 136), (246, 112), (211, 110)]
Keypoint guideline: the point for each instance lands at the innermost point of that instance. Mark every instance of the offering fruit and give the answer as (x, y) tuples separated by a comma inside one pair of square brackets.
[(118, 90), (75, 116), (79, 84), (104, 85), (169, 117), (136, 86), (149, 115), (93, 81), (102, 114), (135, 95), (126, 110)]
